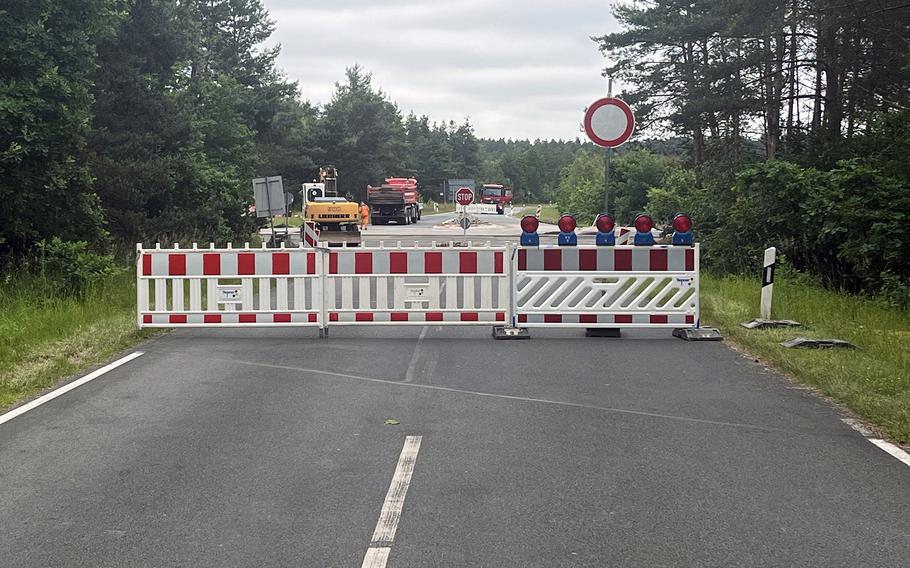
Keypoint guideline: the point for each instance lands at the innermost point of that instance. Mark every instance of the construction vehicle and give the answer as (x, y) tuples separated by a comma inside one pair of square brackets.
[(395, 200), (336, 218), (496, 194)]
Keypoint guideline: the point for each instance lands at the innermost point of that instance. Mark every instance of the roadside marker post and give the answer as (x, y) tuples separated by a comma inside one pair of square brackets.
[(767, 290), (767, 282)]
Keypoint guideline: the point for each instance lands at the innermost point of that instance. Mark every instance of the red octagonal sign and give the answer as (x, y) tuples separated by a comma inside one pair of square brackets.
[(609, 122), (464, 196)]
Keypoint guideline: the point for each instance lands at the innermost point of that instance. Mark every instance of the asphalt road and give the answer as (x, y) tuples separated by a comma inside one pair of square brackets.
[(260, 447)]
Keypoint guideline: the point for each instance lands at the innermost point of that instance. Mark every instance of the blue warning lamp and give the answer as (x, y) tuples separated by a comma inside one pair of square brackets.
[(567, 236), (605, 225), (529, 236), (643, 226), (682, 230)]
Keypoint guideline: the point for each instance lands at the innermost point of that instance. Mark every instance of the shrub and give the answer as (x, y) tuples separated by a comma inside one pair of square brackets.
[(69, 268)]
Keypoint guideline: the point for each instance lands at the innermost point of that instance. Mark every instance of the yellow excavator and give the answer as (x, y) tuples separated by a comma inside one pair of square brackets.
[(337, 218)]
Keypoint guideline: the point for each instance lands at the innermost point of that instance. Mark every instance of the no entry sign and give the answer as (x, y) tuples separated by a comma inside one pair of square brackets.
[(464, 196), (609, 122)]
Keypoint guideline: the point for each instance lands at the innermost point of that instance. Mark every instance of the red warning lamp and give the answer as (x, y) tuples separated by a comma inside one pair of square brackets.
[(566, 223), (682, 223), (529, 224), (605, 223), (644, 224)]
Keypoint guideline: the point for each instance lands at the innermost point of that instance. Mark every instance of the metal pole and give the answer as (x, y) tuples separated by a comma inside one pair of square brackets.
[(607, 152)]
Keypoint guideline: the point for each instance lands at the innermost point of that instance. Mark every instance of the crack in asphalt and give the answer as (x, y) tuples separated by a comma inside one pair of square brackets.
[(401, 383)]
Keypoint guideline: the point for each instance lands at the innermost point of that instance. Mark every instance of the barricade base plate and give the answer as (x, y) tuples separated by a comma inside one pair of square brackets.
[(769, 324), (698, 333), (509, 332), (603, 332), (811, 343)]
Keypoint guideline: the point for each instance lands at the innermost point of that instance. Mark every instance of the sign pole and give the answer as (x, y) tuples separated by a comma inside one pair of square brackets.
[(607, 152)]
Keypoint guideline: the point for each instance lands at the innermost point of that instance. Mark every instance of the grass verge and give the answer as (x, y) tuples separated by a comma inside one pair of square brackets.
[(442, 208), (44, 339), (548, 213), (873, 380)]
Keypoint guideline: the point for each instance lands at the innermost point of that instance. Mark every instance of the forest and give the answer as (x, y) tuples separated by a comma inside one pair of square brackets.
[(782, 122)]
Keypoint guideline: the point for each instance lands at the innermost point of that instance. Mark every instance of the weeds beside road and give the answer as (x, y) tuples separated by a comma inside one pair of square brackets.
[(44, 338), (872, 380)]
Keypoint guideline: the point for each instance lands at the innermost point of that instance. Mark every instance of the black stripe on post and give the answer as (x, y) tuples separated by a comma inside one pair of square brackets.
[(767, 275)]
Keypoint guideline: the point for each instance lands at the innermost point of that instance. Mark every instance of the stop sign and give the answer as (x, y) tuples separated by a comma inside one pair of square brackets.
[(464, 196)]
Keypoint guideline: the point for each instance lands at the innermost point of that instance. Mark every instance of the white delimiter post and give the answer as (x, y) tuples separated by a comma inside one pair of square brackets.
[(767, 282)]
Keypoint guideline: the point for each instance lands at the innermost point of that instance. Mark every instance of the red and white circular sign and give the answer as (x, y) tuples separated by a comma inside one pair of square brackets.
[(609, 122), (464, 196)]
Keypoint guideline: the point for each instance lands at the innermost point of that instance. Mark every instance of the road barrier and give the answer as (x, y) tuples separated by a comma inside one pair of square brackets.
[(603, 286), (460, 286), (622, 286), (229, 287)]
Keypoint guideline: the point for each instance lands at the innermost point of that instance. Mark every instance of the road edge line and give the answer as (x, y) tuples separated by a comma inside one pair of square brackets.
[(893, 450), (67, 387)]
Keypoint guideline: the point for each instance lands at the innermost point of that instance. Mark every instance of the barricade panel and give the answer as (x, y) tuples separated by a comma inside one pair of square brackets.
[(620, 286), (228, 287), (402, 286)]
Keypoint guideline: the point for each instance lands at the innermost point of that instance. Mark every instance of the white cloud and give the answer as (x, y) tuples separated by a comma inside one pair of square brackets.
[(518, 69)]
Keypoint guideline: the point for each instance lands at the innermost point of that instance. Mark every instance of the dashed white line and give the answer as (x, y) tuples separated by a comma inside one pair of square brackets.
[(67, 387), (889, 448), (384, 534), (376, 557)]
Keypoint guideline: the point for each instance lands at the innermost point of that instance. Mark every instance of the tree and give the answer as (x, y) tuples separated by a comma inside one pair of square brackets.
[(47, 56), (361, 133)]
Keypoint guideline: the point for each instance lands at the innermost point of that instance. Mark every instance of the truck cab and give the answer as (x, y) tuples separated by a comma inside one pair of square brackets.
[(496, 194)]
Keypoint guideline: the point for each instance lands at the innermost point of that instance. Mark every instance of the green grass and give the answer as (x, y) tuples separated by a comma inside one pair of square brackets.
[(43, 340), (548, 213), (443, 208), (295, 220), (873, 380)]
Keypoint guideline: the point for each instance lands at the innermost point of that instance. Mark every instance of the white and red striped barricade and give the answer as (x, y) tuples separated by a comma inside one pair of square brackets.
[(607, 286), (419, 285), (228, 287), (309, 234)]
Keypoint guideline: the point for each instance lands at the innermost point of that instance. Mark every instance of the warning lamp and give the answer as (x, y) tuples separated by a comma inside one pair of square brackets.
[(567, 236), (682, 230), (643, 226), (605, 225), (529, 236)]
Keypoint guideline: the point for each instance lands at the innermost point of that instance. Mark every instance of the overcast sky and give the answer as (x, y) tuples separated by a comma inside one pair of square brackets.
[(517, 68)]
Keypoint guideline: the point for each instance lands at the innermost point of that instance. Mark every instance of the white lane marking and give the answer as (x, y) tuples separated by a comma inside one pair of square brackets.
[(376, 557), (384, 534), (394, 499), (889, 448), (67, 387), (409, 375)]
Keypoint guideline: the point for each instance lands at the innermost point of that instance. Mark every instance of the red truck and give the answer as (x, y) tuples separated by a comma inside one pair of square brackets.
[(496, 194), (395, 200)]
